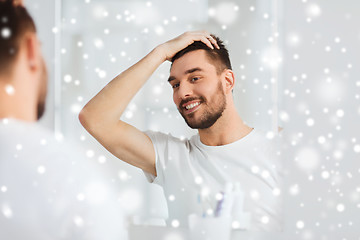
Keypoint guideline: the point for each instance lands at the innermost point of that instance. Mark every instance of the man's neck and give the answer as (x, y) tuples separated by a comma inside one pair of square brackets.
[(227, 129), (16, 103)]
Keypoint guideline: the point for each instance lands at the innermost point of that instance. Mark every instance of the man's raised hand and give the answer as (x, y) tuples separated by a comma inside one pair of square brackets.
[(171, 47)]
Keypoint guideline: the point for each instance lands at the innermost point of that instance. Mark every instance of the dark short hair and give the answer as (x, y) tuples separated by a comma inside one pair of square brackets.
[(219, 57), (15, 21)]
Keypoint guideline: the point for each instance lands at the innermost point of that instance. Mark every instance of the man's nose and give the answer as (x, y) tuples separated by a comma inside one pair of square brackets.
[(185, 90)]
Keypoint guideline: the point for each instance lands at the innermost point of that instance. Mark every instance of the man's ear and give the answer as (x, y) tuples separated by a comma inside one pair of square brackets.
[(229, 80), (32, 51)]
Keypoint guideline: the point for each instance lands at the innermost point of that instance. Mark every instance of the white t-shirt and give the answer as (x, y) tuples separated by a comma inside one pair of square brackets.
[(193, 174), (49, 191)]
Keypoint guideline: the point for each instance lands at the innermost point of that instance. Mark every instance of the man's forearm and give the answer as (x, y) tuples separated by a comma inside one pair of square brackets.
[(110, 103)]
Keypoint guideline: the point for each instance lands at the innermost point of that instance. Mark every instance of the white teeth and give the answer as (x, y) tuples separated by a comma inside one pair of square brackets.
[(190, 106)]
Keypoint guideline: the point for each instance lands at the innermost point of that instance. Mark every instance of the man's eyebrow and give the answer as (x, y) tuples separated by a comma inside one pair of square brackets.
[(193, 70), (171, 78)]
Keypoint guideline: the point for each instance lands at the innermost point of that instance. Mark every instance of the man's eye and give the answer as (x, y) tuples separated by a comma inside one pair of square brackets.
[(194, 79), (175, 85)]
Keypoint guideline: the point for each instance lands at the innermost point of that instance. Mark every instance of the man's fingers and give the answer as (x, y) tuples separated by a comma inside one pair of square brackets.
[(211, 39), (214, 42), (203, 36), (188, 38), (205, 40)]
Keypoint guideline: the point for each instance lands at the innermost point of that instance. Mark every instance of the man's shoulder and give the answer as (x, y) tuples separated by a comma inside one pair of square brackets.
[(260, 141), (36, 147), (269, 137), (156, 135), (16, 127), (32, 139)]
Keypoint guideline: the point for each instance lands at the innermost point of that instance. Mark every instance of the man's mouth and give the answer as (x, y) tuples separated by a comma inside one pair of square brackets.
[(191, 106)]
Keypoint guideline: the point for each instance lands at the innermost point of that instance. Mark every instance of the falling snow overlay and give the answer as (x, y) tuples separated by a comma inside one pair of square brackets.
[(296, 67)]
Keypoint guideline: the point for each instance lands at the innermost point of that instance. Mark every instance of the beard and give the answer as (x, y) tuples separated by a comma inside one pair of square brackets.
[(212, 111), (43, 92), (40, 110)]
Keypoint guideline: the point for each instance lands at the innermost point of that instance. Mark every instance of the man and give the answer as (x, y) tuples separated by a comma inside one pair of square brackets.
[(47, 190), (193, 172)]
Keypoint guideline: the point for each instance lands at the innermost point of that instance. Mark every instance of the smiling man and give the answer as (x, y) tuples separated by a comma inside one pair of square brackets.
[(193, 171), (187, 107)]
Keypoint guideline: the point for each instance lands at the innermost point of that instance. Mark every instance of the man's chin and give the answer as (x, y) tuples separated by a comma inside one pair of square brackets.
[(200, 123), (194, 124)]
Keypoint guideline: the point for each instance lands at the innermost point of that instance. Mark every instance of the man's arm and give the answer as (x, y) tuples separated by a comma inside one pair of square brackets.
[(101, 115)]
